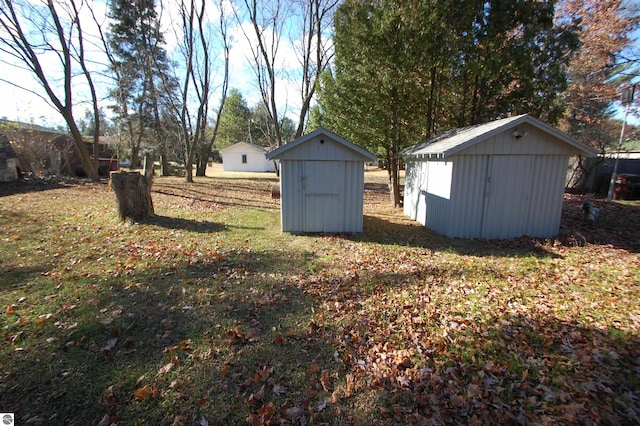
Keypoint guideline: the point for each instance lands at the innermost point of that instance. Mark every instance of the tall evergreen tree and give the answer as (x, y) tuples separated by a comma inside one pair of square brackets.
[(141, 67), (234, 120), (407, 69)]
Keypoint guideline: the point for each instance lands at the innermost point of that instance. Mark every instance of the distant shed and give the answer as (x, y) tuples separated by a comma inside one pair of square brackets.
[(499, 180), (245, 157), (321, 183)]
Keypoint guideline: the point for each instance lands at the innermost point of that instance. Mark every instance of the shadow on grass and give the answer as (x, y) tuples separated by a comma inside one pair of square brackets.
[(383, 231), (426, 362), (184, 224), (222, 193), (235, 337), (618, 222), (23, 186), (12, 277), (196, 339), (513, 369)]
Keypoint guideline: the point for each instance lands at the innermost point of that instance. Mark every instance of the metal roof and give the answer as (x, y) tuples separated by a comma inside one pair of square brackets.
[(456, 140), (322, 131)]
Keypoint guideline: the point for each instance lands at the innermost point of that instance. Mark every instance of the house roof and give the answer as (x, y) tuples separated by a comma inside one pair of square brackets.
[(322, 131), (248, 145), (456, 140)]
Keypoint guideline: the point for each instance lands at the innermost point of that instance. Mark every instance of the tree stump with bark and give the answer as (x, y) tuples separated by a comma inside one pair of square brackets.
[(133, 195)]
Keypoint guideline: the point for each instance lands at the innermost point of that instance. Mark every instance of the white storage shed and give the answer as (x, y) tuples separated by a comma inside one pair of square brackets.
[(321, 183), (245, 157), (499, 180)]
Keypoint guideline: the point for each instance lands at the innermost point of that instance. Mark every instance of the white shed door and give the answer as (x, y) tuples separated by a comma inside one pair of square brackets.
[(322, 184), (508, 196)]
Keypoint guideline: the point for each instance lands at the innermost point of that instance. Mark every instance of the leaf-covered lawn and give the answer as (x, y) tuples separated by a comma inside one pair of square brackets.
[(208, 314)]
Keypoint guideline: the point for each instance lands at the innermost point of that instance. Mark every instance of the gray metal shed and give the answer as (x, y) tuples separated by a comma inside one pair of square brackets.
[(499, 180), (321, 183)]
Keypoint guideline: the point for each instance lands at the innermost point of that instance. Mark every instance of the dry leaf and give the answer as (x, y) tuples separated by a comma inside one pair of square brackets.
[(108, 397), (111, 343), (106, 420), (279, 390), (166, 368), (43, 318), (145, 392), (294, 413), (179, 421)]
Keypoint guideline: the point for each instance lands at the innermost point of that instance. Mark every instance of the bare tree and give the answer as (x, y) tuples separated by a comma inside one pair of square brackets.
[(197, 72), (267, 19), (81, 55), (31, 31), (314, 47)]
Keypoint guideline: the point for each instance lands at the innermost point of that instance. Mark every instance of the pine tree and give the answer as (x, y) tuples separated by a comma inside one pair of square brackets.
[(234, 121), (141, 68), (405, 70)]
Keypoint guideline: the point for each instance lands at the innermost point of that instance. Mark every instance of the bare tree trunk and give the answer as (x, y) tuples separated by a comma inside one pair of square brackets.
[(391, 154), (164, 163), (16, 43)]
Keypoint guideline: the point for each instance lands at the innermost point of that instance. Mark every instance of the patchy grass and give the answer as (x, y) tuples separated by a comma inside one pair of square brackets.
[(208, 314)]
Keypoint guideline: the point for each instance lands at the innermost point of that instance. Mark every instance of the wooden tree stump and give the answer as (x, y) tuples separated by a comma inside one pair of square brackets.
[(133, 195)]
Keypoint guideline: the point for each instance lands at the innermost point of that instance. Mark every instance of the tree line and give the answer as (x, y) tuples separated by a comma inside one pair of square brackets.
[(168, 101), (410, 69), (382, 73)]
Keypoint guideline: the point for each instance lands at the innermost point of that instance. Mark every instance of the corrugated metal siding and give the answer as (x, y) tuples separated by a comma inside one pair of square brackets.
[(524, 196), (436, 194), (323, 187), (427, 192), (545, 208), (509, 183), (501, 196), (309, 202), (291, 195), (353, 195), (467, 196), (321, 148), (411, 188), (535, 142)]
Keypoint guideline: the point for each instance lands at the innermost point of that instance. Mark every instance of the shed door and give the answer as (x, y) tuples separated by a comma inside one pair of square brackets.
[(322, 185), (508, 191)]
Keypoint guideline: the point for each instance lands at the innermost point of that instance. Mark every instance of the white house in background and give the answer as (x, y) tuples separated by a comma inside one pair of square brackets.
[(321, 183), (499, 180), (245, 157)]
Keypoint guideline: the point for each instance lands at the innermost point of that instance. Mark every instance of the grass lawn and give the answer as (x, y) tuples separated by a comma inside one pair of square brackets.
[(209, 314)]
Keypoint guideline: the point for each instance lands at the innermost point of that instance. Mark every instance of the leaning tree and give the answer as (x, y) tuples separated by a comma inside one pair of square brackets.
[(32, 31)]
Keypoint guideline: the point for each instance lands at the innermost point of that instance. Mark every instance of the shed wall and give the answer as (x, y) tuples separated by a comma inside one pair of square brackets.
[(491, 196), (535, 142), (321, 196), (321, 148)]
